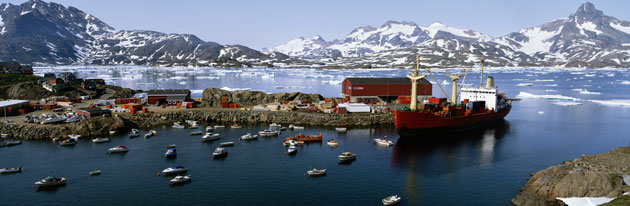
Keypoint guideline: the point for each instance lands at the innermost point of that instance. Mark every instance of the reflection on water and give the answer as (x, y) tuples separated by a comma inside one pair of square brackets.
[(446, 155)]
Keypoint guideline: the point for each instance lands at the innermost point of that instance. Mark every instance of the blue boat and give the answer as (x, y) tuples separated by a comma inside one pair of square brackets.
[(170, 153)]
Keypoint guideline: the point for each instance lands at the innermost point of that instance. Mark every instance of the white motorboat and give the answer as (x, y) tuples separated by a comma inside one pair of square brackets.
[(179, 180), (210, 137), (289, 143), (101, 140), (112, 132), (150, 134), (219, 126), (68, 142), (74, 136), (268, 133), (292, 150), (175, 169), (118, 149), (220, 151), (10, 170), (383, 142), (4, 135), (177, 125), (236, 126), (341, 129), (194, 125), (298, 128), (95, 172), (134, 133), (249, 136), (332, 143), (347, 156), (391, 200), (51, 181), (209, 129), (316, 172), (274, 125)]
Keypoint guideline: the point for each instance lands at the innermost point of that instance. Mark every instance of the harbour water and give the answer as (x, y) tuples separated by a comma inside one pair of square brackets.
[(563, 114)]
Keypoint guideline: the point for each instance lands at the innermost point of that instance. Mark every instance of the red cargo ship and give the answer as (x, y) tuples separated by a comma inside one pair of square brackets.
[(479, 107)]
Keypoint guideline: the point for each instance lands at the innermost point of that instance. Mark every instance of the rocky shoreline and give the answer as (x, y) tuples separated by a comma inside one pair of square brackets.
[(599, 175), (124, 122)]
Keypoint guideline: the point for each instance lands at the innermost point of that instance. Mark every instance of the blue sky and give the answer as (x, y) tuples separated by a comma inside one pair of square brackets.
[(259, 24)]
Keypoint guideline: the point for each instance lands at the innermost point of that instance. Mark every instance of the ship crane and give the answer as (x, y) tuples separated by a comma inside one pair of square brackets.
[(414, 84), (454, 78)]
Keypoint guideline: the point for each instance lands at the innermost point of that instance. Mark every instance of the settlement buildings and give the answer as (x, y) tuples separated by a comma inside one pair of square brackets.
[(168, 97)]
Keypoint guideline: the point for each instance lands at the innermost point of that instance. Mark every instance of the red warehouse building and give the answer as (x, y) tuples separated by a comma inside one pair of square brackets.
[(371, 90), (169, 97)]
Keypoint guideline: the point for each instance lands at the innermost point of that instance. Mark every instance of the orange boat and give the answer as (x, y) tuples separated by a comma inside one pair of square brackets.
[(305, 138)]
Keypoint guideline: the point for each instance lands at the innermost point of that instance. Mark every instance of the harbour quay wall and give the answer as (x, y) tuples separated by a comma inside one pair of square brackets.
[(124, 122)]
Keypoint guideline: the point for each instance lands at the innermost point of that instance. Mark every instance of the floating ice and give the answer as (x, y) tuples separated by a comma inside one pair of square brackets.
[(550, 90), (614, 102), (584, 91), (525, 84), (206, 77), (584, 201), (625, 82), (233, 89), (177, 78), (567, 103), (544, 80), (196, 91), (525, 95), (551, 85), (541, 112), (332, 82)]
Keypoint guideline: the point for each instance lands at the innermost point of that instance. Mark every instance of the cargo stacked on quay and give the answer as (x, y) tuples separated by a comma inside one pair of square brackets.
[(479, 107)]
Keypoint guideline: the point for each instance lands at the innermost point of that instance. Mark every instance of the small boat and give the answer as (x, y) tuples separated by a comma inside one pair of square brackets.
[(134, 133), (236, 126), (53, 119), (383, 142), (177, 125), (170, 153), (219, 126), (68, 142), (341, 129), (316, 172), (268, 133), (179, 180), (195, 133), (225, 144), (74, 136), (299, 142), (75, 118), (101, 140), (10, 170), (51, 181), (289, 142), (194, 125), (118, 149), (175, 169), (209, 129), (170, 146), (305, 138), (347, 156), (95, 172), (4, 135), (112, 132), (391, 200), (150, 134), (292, 150), (210, 137), (298, 128), (283, 128), (332, 143), (219, 152), (274, 125), (13, 143), (249, 136)]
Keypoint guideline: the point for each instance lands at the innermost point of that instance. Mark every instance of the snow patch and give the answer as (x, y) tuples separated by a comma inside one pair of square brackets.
[(525, 95), (613, 102), (625, 29), (234, 89)]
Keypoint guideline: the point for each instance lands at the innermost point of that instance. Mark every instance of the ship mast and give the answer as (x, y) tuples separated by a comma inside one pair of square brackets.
[(481, 83), (454, 77), (414, 84)]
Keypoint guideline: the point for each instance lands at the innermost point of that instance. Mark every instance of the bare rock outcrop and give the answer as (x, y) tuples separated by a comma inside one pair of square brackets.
[(212, 97), (599, 175)]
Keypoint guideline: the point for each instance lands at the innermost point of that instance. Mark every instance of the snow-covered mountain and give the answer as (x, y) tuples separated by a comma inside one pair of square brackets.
[(49, 33), (586, 38)]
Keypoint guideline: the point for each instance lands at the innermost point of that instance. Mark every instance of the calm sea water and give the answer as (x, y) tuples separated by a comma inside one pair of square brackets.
[(479, 168)]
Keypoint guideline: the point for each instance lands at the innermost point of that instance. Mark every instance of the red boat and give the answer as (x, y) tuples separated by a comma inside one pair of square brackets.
[(479, 107)]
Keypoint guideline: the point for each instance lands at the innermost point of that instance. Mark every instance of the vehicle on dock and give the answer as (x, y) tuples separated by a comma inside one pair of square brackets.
[(174, 170), (219, 152), (10, 170), (179, 180), (68, 142), (51, 181), (118, 149), (347, 156), (101, 140)]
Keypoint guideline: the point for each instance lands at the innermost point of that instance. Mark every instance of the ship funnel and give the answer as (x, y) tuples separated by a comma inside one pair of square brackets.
[(490, 83)]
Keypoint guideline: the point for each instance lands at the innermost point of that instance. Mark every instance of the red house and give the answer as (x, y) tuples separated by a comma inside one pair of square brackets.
[(168, 97), (371, 90)]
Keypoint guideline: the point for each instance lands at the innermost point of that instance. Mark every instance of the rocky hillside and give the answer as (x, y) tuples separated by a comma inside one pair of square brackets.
[(49, 33), (598, 175), (212, 97), (587, 38)]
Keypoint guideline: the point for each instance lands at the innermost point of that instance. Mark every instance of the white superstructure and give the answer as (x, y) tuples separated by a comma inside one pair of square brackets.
[(481, 94)]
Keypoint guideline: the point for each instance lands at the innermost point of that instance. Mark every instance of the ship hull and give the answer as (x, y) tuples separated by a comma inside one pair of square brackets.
[(415, 124)]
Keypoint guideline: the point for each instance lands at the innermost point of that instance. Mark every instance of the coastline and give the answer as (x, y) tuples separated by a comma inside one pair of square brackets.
[(124, 122)]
